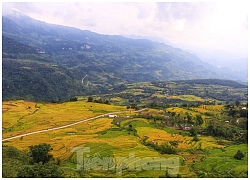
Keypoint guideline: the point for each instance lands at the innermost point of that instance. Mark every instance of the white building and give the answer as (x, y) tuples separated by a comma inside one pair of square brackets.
[(112, 116)]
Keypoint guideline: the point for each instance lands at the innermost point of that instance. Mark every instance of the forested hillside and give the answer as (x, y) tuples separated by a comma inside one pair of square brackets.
[(50, 62)]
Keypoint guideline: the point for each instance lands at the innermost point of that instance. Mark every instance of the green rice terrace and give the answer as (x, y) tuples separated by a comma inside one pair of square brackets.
[(157, 129)]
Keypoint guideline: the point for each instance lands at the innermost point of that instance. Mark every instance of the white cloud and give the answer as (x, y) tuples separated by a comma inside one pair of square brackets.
[(210, 27)]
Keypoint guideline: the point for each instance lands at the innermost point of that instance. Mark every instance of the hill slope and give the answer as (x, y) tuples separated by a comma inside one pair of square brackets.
[(88, 62)]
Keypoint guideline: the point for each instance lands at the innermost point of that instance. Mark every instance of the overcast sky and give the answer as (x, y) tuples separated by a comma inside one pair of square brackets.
[(216, 30)]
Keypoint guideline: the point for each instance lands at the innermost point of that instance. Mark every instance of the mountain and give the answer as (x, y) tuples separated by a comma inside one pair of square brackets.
[(238, 67), (60, 62), (28, 75)]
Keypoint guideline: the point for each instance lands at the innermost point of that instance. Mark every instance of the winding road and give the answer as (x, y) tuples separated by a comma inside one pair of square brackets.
[(84, 78), (65, 126)]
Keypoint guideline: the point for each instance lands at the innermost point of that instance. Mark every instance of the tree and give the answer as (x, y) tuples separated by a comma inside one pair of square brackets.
[(239, 155), (130, 127), (232, 112), (195, 138), (174, 143), (189, 118), (90, 99), (173, 114), (192, 132), (243, 113), (199, 120), (237, 103), (12, 160), (73, 99), (106, 102), (26, 172), (201, 174), (40, 153), (166, 149), (39, 170)]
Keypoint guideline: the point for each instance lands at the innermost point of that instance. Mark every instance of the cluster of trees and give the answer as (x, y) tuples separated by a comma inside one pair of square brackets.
[(36, 163), (42, 165), (100, 100), (221, 82), (219, 131), (173, 118), (236, 129), (164, 148), (206, 88), (238, 112), (239, 155), (73, 99), (230, 133)]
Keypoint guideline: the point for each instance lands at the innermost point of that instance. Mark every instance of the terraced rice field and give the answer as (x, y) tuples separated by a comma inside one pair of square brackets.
[(105, 139), (221, 161), (23, 117), (188, 97)]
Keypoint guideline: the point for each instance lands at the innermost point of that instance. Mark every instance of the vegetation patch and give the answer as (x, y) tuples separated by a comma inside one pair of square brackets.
[(205, 144)]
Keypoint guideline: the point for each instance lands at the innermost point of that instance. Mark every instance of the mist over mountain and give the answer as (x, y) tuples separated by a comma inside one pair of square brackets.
[(154, 39), (238, 67), (61, 62)]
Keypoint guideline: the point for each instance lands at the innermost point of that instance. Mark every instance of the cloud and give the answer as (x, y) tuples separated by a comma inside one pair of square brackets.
[(200, 27), (24, 8), (76, 14)]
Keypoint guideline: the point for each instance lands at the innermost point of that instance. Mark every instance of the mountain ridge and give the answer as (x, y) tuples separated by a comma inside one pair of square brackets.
[(107, 60)]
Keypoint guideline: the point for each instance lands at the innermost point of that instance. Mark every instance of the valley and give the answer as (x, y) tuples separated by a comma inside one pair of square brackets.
[(152, 122), (45, 62), (78, 104)]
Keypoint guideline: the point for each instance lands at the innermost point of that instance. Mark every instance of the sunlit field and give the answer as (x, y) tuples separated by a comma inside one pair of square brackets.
[(188, 97), (20, 117), (117, 137)]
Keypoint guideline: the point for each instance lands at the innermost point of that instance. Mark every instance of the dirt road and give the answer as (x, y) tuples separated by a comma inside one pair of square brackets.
[(65, 126)]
